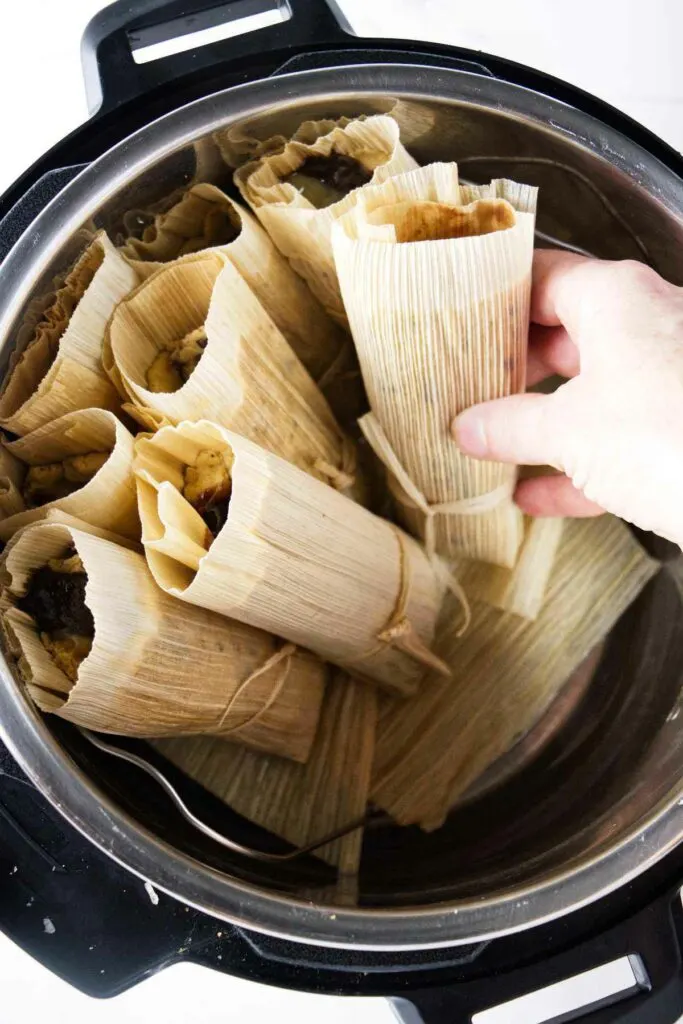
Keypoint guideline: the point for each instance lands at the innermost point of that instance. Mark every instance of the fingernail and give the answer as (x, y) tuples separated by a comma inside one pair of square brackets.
[(470, 434)]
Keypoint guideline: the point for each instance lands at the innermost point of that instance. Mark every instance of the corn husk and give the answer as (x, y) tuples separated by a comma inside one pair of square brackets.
[(12, 471), (520, 590), (107, 500), (294, 557), (193, 223), (299, 803), (248, 379), (440, 325), (506, 672), (58, 366), (300, 231), (158, 667)]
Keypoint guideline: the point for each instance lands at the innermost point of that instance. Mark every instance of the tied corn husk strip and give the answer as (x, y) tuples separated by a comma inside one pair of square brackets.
[(437, 296), (294, 557), (520, 590), (59, 364), (158, 667), (195, 221), (300, 231), (248, 378), (107, 500), (506, 671), (299, 803)]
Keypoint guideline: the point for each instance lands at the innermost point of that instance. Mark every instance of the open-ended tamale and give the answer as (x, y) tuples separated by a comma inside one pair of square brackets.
[(300, 803), (505, 673), (298, 191), (437, 295), (98, 643), (193, 342), (204, 217), (58, 365), (80, 463), (232, 527)]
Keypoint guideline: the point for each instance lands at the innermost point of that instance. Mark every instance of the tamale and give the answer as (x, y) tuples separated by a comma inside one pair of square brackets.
[(437, 296), (99, 644), (231, 527)]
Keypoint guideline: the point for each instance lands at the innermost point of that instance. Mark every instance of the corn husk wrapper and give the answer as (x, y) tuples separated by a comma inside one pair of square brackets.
[(299, 803), (193, 224), (506, 672), (158, 667), (12, 472), (300, 231), (520, 590), (107, 500), (42, 385), (248, 379), (440, 325), (294, 557)]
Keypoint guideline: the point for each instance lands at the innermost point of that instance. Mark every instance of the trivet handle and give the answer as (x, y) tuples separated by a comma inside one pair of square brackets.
[(651, 940)]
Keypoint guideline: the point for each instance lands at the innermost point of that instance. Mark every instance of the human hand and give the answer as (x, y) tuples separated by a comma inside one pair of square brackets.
[(615, 429)]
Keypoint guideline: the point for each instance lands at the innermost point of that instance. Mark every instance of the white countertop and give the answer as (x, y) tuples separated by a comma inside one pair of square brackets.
[(626, 53)]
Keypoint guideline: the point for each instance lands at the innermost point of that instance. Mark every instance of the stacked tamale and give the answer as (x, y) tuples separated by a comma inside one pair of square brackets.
[(236, 521)]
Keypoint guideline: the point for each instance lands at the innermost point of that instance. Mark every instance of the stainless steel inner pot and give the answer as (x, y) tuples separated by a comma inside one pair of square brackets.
[(594, 795)]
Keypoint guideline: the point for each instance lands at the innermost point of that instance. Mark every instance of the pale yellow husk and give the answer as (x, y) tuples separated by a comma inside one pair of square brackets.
[(520, 590), (158, 667), (108, 500), (247, 379), (294, 557), (12, 472), (440, 325), (300, 231), (506, 672), (38, 388), (191, 225), (300, 803)]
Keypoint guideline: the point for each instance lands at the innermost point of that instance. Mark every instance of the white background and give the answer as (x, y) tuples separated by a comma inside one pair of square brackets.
[(626, 52)]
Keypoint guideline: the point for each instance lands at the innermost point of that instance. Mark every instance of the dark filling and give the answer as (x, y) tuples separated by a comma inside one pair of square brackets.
[(56, 603), (340, 172), (214, 512)]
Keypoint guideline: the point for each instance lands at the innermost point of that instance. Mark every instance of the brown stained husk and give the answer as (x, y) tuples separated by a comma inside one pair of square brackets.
[(58, 366), (294, 557), (158, 667), (439, 326), (248, 378), (520, 590), (107, 500), (299, 803), (191, 225), (300, 231), (506, 672)]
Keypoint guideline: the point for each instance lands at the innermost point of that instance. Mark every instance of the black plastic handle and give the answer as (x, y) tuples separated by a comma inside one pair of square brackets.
[(113, 77), (30, 204), (651, 940)]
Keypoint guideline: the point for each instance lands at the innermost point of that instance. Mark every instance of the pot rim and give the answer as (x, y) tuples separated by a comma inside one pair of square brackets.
[(38, 752)]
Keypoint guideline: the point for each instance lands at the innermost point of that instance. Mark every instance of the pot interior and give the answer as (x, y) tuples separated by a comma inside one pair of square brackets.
[(610, 750)]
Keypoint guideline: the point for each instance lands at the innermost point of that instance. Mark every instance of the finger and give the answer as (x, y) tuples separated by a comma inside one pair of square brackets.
[(554, 496), (558, 283), (517, 429), (551, 350)]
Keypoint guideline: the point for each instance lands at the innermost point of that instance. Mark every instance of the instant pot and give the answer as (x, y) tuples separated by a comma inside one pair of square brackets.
[(561, 865)]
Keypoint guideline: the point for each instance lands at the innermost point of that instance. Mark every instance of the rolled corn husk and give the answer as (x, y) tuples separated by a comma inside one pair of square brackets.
[(58, 365), (194, 223), (294, 557), (248, 379), (506, 671), (299, 803), (520, 590), (107, 500), (300, 231), (437, 296), (158, 667)]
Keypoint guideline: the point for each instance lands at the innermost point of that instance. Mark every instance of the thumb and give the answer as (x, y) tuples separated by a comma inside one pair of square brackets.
[(518, 429)]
